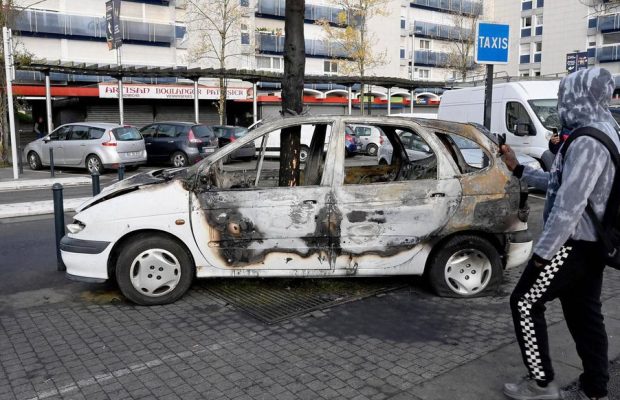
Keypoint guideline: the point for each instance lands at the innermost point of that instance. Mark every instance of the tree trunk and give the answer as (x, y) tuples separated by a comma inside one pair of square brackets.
[(222, 103), (292, 89)]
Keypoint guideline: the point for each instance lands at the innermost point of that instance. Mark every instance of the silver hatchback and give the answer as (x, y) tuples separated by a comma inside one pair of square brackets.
[(95, 146)]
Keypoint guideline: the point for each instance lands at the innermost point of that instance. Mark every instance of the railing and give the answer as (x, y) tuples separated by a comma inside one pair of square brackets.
[(437, 31), (430, 58), (46, 23), (268, 43), (609, 23), (608, 53), (313, 12), (459, 6)]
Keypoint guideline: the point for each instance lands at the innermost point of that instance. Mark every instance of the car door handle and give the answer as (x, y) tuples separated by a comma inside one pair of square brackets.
[(309, 202), (438, 194)]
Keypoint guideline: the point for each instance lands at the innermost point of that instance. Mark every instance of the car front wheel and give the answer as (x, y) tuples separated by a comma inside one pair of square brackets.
[(154, 270), (94, 164), (34, 161), (371, 149), (465, 266)]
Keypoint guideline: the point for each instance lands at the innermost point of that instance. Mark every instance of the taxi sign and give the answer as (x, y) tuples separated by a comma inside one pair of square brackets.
[(492, 43)]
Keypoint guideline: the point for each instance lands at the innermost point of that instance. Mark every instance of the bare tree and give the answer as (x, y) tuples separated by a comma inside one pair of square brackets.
[(292, 90), (602, 7), (460, 56), (215, 26), (9, 11), (351, 35)]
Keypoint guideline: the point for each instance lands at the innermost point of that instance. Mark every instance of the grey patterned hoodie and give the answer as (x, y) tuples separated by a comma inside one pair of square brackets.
[(587, 173)]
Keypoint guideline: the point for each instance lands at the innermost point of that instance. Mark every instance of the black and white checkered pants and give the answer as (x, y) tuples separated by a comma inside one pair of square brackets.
[(575, 276)]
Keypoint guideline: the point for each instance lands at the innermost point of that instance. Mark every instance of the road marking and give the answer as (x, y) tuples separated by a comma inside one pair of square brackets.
[(102, 378)]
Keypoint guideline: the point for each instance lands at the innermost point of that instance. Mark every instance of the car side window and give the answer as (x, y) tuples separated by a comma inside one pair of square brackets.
[(516, 113), (181, 130), (264, 171), (362, 131), (95, 133), (79, 132), (468, 155), (149, 131), (166, 131), (61, 133)]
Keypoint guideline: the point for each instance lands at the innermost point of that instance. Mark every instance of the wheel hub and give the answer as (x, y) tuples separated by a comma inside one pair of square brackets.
[(155, 272), (468, 272)]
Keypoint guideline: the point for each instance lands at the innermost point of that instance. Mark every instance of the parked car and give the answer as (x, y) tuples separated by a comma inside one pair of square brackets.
[(351, 142), (436, 217), (178, 143), (90, 145), (228, 134), (370, 138)]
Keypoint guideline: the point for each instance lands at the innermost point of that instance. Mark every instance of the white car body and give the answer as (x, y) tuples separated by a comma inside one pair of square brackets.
[(283, 231)]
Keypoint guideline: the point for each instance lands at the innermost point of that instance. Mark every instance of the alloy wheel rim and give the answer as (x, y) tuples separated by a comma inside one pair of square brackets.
[(155, 272), (372, 150), (179, 160), (33, 161), (468, 272), (93, 165)]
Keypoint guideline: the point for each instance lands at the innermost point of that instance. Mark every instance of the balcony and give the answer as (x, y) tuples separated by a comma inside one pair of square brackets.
[(427, 58), (436, 31), (267, 43), (608, 53), (55, 25), (459, 6), (275, 9), (609, 23)]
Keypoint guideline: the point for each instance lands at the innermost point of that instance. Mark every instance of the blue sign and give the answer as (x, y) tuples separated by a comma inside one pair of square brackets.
[(492, 43)]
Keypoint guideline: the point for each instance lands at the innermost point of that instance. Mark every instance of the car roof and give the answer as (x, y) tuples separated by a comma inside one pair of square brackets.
[(174, 123), (104, 125)]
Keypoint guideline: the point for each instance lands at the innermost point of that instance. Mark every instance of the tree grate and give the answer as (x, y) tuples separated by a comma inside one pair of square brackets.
[(275, 300)]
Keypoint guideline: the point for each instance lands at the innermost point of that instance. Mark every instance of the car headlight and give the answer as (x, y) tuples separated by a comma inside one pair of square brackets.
[(76, 226)]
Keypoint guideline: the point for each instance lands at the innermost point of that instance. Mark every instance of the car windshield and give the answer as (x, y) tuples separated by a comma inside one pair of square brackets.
[(240, 132), (126, 133), (547, 112), (202, 131)]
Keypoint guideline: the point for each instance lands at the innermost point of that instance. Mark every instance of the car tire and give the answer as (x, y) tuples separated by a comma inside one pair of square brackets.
[(383, 162), (34, 161), (94, 164), (371, 149), (178, 159), (303, 153), (145, 279), (465, 266)]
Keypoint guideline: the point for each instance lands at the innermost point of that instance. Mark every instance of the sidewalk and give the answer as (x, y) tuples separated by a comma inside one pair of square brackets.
[(40, 179)]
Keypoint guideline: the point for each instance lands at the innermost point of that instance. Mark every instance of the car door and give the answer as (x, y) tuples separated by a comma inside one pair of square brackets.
[(164, 142), (363, 134), (148, 133), (56, 144), (389, 212), (243, 220), (75, 146)]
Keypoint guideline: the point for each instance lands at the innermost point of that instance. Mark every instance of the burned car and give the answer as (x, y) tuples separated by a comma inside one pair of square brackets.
[(456, 223)]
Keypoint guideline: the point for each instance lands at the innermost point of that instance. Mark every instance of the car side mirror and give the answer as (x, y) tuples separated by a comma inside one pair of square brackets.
[(522, 129), (46, 139)]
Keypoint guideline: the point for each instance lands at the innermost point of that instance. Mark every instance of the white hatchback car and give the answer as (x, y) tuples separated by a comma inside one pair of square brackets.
[(459, 224)]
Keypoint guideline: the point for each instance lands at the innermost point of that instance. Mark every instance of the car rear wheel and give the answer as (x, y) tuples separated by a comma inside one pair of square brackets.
[(371, 149), (154, 270), (303, 153), (179, 159), (34, 161), (465, 266), (94, 164)]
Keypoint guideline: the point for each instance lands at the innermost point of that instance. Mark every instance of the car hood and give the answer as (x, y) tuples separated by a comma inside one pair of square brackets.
[(154, 177)]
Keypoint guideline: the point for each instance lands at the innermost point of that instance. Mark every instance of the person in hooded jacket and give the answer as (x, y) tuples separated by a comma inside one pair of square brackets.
[(568, 258)]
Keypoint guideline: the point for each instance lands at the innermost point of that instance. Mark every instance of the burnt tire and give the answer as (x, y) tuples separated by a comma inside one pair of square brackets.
[(154, 270), (34, 161), (465, 266), (372, 149)]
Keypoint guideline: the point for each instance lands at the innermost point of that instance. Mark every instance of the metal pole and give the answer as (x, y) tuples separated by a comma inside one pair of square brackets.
[(413, 51), (349, 99), (121, 109), (121, 172), (19, 152), (488, 97), (48, 102), (389, 101), (411, 100), (96, 185), (51, 162), (254, 103), (6, 36), (59, 222), (196, 109)]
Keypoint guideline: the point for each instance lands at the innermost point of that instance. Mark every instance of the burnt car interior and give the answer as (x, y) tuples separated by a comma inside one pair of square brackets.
[(357, 170)]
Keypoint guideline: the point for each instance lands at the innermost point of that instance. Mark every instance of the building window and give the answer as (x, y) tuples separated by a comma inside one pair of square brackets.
[(524, 74), (425, 44), (538, 47), (526, 5), (268, 63), (330, 67), (526, 22), (539, 25), (537, 73), (403, 23), (402, 53), (244, 3), (423, 73), (592, 23), (245, 35), (524, 53), (540, 3)]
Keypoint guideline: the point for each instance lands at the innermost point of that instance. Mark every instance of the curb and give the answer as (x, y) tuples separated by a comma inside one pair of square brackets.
[(43, 183), (38, 207)]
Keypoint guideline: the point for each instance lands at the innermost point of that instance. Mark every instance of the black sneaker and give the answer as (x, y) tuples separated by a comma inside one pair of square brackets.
[(528, 389)]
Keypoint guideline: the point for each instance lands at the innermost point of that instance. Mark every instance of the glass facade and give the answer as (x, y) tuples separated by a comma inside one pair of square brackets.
[(268, 43), (313, 12), (459, 6), (437, 31), (609, 23)]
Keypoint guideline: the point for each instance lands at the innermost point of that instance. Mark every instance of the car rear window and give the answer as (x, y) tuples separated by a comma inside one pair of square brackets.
[(202, 131), (126, 133), (240, 132)]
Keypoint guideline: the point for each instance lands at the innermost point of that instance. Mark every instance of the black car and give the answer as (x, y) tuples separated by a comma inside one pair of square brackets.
[(227, 134), (179, 143)]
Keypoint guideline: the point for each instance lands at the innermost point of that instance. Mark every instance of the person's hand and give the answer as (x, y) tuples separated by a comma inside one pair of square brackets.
[(555, 139), (509, 157)]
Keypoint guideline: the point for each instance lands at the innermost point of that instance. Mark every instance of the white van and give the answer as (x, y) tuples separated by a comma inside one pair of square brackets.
[(272, 150), (525, 111)]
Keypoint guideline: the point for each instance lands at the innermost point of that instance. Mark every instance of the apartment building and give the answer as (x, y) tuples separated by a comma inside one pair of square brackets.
[(543, 32)]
